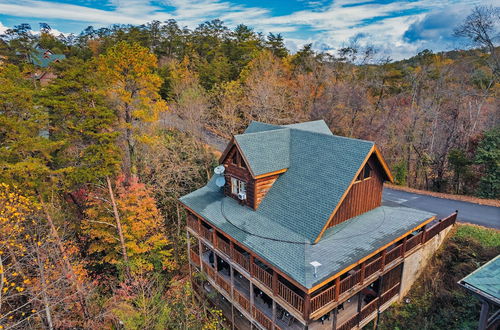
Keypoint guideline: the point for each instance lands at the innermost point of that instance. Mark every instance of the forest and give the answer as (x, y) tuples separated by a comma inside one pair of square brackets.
[(91, 233)]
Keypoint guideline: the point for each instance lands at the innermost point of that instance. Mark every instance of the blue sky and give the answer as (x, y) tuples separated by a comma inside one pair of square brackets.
[(397, 28)]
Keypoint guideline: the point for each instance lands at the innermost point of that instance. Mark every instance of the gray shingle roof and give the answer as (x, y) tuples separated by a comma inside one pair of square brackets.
[(37, 57), (291, 252), (321, 166), (486, 279)]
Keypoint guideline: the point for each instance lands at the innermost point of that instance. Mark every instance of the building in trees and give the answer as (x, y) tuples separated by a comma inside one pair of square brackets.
[(41, 59), (295, 236)]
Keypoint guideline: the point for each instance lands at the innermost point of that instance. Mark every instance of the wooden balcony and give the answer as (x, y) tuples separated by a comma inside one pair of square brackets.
[(263, 320), (323, 298), (224, 246), (193, 223), (388, 257), (207, 233), (241, 259), (241, 300), (373, 267), (221, 281), (368, 309), (291, 297), (349, 324), (194, 257), (414, 241), (262, 276), (386, 296), (393, 254)]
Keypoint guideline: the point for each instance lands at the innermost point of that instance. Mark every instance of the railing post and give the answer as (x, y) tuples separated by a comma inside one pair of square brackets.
[(198, 221), (382, 261), (251, 266), (275, 282), (307, 306), (404, 246), (214, 236), (362, 272), (337, 288), (424, 233)]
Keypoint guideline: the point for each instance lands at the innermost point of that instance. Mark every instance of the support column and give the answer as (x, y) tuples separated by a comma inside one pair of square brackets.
[(189, 252), (359, 306), (200, 250), (251, 299), (483, 318), (382, 261), (334, 318), (274, 312), (337, 288), (231, 274)]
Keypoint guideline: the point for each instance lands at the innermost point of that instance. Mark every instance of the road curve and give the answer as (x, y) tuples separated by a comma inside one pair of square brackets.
[(488, 216)]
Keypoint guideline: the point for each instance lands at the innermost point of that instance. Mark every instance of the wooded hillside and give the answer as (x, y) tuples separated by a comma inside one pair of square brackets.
[(91, 234)]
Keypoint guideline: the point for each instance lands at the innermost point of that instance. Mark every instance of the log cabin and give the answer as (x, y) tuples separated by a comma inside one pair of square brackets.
[(42, 59), (291, 231)]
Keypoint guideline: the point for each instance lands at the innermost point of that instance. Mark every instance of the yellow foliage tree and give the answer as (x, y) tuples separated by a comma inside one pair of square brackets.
[(132, 85)]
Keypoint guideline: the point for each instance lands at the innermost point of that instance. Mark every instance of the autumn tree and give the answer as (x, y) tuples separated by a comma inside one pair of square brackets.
[(146, 247), (128, 71)]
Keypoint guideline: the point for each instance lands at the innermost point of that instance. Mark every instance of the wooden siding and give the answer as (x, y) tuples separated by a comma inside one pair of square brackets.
[(256, 189), (262, 186), (363, 196), (240, 172)]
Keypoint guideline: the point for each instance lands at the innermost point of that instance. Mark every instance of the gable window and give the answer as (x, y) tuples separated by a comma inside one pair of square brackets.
[(238, 186), (365, 173)]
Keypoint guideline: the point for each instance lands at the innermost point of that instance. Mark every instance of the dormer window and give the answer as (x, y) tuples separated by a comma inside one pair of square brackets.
[(238, 186)]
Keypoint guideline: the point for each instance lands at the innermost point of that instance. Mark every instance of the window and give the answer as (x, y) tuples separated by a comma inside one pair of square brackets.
[(367, 172), (238, 186)]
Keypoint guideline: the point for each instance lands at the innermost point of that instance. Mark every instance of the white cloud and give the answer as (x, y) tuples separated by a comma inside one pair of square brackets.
[(334, 22)]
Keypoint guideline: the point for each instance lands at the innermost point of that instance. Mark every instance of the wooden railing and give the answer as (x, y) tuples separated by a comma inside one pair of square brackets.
[(413, 241), (192, 223), (394, 254), (241, 300), (385, 297), (295, 300), (349, 324), (438, 227), (391, 255), (373, 267), (350, 281), (265, 321), (209, 270), (194, 257), (263, 276), (224, 246), (223, 284), (368, 309), (206, 233), (241, 259), (322, 299)]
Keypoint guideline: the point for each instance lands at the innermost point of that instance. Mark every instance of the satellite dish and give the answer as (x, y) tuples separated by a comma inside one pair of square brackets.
[(220, 182), (219, 169)]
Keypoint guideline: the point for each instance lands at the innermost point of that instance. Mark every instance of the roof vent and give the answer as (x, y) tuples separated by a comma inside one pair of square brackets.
[(315, 264)]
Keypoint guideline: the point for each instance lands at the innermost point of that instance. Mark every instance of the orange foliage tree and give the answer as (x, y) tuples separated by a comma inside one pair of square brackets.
[(146, 245)]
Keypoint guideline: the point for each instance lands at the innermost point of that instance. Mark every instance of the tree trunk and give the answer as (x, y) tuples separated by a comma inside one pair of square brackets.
[(118, 226), (44, 290), (68, 269)]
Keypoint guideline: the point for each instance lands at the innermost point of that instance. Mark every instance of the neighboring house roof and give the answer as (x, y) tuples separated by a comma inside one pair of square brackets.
[(43, 57), (340, 247), (485, 281), (320, 169)]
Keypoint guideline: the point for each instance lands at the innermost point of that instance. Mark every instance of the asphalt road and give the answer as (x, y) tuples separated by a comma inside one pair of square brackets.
[(488, 216)]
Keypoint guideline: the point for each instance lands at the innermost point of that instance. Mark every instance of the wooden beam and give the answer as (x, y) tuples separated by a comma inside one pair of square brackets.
[(271, 173)]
